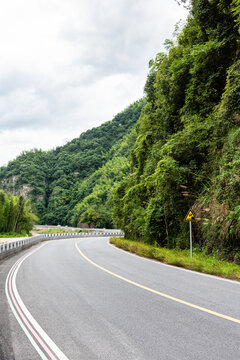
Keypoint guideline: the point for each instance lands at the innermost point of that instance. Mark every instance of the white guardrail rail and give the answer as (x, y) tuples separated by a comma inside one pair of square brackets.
[(18, 245)]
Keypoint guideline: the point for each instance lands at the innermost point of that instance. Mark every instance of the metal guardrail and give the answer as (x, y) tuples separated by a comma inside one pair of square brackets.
[(92, 234), (16, 246), (74, 228)]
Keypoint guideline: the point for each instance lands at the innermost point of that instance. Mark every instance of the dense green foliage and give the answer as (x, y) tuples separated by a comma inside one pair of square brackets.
[(95, 194), (51, 180), (236, 11), (15, 214), (187, 148)]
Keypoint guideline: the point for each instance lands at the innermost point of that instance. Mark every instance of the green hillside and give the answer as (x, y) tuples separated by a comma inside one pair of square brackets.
[(51, 179), (187, 152), (94, 196)]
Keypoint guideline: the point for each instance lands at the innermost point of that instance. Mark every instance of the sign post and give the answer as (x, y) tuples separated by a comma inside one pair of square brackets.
[(190, 217), (190, 230)]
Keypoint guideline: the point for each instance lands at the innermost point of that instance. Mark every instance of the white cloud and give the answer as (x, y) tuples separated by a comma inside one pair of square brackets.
[(69, 65)]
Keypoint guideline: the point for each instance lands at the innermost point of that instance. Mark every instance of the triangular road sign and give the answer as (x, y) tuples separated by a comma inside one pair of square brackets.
[(190, 216)]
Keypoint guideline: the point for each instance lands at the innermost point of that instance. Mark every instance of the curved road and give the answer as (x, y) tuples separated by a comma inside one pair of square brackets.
[(85, 300)]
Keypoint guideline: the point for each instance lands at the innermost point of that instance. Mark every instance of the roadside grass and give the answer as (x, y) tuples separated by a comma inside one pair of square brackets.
[(13, 235), (199, 262), (56, 231)]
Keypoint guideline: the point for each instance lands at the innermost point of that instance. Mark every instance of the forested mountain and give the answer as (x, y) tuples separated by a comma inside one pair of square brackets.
[(183, 152), (94, 196), (187, 151), (51, 179)]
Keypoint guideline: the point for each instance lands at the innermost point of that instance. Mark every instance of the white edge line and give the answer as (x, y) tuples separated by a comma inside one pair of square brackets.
[(35, 324), (27, 333), (155, 261)]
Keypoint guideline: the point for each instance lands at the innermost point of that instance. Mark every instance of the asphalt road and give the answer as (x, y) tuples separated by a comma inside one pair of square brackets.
[(93, 301)]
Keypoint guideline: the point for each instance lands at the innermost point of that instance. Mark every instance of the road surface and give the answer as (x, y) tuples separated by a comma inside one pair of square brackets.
[(85, 300)]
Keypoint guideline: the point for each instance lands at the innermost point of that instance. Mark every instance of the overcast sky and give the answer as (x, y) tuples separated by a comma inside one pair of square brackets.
[(69, 65)]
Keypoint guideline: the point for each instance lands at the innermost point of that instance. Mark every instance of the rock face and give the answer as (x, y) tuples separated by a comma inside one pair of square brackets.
[(9, 185), (25, 190)]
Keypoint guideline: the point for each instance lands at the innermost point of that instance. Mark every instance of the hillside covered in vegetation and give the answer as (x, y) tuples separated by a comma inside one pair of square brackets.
[(183, 152), (51, 179), (187, 151)]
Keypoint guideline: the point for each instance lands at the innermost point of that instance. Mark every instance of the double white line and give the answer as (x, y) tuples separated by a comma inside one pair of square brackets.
[(42, 343)]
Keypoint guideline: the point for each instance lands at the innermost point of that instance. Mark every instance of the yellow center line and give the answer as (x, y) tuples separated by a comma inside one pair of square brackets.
[(226, 317)]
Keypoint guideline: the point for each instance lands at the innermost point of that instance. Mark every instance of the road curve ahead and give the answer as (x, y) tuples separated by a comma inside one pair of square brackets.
[(85, 300)]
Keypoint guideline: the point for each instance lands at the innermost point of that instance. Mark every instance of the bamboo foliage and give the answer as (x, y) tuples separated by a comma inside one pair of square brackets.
[(15, 214)]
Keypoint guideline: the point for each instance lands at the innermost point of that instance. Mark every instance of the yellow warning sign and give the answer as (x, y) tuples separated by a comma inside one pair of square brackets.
[(190, 216)]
